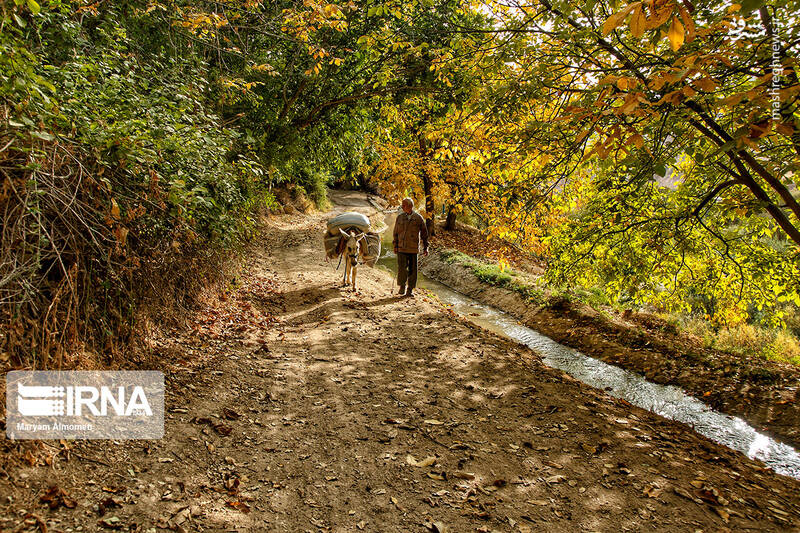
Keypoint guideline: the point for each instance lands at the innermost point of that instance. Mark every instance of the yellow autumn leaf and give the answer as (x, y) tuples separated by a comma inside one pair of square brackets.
[(688, 23), (608, 79), (658, 82), (658, 15), (114, 209), (583, 135), (121, 234), (627, 83), (706, 84), (638, 21), (675, 34), (637, 140), (754, 93), (630, 104), (616, 19)]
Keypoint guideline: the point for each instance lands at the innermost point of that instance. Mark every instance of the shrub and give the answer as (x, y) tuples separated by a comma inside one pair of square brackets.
[(121, 174), (743, 339)]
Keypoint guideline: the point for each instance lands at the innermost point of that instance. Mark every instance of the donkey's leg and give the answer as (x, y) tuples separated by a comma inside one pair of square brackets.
[(353, 276), (350, 272)]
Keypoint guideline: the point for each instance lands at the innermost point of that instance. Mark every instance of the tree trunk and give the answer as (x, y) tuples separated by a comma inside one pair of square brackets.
[(430, 216), (450, 223), (427, 186)]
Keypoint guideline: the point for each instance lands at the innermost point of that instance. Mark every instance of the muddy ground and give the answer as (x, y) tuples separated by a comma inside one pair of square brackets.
[(295, 405)]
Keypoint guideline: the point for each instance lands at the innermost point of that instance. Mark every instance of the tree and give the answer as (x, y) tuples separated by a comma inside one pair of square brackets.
[(651, 133)]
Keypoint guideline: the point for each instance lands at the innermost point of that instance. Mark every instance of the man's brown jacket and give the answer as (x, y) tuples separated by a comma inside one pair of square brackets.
[(407, 232)]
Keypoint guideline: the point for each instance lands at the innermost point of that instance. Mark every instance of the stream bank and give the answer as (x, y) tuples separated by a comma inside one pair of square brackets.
[(716, 379)]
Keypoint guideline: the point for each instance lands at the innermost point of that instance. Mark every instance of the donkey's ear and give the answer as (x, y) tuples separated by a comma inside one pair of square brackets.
[(343, 232), (361, 236)]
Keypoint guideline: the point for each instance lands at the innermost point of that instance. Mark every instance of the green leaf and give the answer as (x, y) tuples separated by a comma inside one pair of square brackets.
[(34, 7), (42, 135), (749, 6), (19, 21)]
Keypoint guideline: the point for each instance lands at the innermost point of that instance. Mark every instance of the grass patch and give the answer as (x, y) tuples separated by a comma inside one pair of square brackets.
[(594, 297), (745, 339), (492, 274), (451, 257)]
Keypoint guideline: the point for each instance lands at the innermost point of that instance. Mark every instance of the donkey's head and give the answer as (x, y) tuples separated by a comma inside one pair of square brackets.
[(353, 245)]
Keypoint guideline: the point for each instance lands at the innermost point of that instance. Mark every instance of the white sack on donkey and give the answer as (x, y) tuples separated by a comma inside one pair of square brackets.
[(349, 237)]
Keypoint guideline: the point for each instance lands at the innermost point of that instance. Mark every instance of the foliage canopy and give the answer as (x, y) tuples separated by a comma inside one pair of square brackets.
[(650, 148)]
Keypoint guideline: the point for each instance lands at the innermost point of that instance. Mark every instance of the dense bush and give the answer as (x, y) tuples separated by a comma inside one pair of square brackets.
[(115, 170)]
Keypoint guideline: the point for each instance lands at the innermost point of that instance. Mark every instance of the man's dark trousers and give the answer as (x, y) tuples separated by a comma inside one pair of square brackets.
[(407, 270)]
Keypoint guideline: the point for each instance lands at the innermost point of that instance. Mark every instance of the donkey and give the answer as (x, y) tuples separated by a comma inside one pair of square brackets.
[(352, 249)]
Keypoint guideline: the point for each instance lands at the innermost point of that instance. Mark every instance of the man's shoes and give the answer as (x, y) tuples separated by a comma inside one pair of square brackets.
[(402, 289), (409, 293)]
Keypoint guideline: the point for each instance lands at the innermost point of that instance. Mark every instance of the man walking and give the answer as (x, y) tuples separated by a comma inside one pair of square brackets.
[(408, 229)]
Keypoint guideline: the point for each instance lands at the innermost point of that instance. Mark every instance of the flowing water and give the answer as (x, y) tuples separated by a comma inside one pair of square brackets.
[(665, 400)]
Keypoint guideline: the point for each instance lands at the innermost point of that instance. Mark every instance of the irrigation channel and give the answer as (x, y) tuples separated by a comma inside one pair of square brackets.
[(664, 400)]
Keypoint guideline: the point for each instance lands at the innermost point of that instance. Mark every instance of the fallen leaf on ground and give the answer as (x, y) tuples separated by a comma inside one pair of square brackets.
[(56, 497), (434, 422), (588, 448), (223, 430), (111, 523), (41, 524), (231, 485), (436, 527), (711, 495), (653, 492), (230, 414), (428, 461), (239, 506), (108, 503), (558, 478), (397, 504)]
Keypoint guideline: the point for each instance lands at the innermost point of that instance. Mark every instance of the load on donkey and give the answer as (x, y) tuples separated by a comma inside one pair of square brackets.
[(349, 236)]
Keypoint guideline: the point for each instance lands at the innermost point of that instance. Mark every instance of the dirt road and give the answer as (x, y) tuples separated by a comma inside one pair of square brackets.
[(297, 405)]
